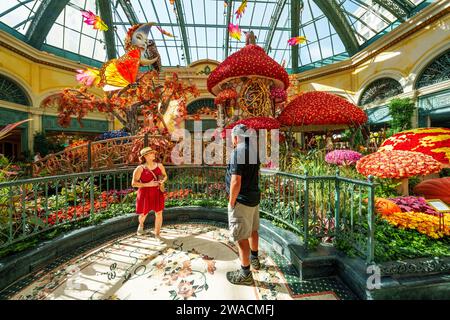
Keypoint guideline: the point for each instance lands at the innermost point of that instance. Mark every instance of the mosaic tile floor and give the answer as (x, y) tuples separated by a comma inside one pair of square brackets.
[(190, 264)]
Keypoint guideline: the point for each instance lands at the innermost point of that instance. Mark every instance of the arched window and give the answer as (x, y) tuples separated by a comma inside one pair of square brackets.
[(380, 89), (195, 106), (437, 71), (10, 91)]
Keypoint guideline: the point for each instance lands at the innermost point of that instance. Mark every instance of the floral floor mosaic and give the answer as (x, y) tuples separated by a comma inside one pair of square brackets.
[(191, 263)]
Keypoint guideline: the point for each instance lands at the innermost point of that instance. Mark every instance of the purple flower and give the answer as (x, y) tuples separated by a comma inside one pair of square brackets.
[(342, 157), (414, 204)]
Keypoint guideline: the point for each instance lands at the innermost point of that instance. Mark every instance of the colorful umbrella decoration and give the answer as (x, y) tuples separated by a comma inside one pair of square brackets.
[(93, 20), (240, 11), (235, 32), (434, 142), (296, 40), (398, 165)]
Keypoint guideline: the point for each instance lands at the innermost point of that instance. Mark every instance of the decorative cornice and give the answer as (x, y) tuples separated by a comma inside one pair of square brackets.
[(376, 48)]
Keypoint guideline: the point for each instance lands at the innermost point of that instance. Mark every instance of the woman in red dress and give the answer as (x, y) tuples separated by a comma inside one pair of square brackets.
[(147, 177)]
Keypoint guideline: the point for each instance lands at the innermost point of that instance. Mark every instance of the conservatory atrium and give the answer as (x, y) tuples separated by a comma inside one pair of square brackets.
[(123, 122)]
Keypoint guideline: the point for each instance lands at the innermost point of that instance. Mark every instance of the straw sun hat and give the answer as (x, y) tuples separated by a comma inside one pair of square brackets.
[(146, 150)]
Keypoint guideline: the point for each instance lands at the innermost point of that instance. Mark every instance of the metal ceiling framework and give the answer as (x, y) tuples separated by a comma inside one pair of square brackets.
[(400, 9), (340, 23), (106, 15), (44, 17), (182, 24)]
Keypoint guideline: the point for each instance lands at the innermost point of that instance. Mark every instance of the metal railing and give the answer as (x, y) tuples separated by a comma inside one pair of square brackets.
[(320, 209)]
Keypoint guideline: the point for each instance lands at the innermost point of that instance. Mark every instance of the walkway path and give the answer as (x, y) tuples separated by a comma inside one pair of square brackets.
[(190, 264)]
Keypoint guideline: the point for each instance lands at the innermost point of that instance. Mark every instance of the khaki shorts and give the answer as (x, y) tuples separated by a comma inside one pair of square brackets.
[(242, 221)]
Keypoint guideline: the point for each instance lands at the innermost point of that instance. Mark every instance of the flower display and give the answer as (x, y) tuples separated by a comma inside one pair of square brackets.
[(342, 157), (249, 61), (424, 223), (397, 164), (225, 95), (112, 134), (278, 94), (386, 207), (414, 204), (434, 142), (257, 123), (321, 108)]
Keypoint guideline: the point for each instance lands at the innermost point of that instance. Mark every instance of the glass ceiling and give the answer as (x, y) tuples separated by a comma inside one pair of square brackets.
[(335, 29)]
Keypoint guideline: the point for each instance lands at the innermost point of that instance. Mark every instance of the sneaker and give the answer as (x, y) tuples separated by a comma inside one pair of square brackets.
[(159, 239), (254, 262), (238, 277), (140, 230)]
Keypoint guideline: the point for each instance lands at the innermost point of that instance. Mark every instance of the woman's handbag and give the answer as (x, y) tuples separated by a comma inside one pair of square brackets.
[(161, 186)]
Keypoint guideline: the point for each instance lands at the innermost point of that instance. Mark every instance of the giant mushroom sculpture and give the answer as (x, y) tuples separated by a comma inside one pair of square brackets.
[(252, 74), (398, 165), (434, 142), (321, 111)]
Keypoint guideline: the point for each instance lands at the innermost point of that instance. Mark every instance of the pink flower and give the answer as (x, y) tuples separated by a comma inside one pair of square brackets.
[(342, 157)]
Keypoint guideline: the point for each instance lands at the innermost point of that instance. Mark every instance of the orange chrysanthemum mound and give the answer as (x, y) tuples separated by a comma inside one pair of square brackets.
[(251, 60), (422, 222), (434, 142), (397, 164), (321, 108)]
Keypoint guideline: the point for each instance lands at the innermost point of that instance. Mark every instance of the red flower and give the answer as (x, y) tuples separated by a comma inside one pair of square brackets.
[(251, 60), (225, 95), (321, 108)]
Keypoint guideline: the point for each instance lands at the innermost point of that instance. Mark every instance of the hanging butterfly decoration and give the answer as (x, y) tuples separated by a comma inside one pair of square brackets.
[(92, 20), (297, 40), (235, 32), (240, 11), (164, 32)]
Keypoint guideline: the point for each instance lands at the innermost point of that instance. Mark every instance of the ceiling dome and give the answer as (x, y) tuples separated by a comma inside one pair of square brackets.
[(334, 29)]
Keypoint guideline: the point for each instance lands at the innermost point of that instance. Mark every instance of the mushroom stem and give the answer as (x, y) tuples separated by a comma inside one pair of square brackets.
[(403, 188)]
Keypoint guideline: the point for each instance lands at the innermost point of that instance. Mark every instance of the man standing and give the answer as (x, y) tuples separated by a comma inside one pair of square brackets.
[(243, 207)]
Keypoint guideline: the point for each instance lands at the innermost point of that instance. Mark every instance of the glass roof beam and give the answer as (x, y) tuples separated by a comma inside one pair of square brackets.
[(400, 9), (45, 18), (337, 18), (296, 9), (4, 13), (273, 24), (129, 12), (227, 32), (182, 24), (106, 15)]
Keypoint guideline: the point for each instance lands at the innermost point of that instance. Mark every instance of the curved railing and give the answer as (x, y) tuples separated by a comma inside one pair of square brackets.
[(97, 155), (330, 209)]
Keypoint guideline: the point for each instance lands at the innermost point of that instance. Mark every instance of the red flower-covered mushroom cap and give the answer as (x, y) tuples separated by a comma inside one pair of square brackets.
[(397, 164), (434, 142), (251, 60), (255, 123), (321, 108)]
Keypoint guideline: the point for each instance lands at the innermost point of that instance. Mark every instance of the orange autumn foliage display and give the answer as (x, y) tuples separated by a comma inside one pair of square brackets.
[(422, 222), (386, 207)]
